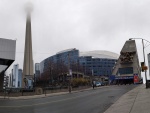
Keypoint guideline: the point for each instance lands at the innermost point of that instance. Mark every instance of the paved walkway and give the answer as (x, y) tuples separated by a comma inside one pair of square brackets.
[(134, 101)]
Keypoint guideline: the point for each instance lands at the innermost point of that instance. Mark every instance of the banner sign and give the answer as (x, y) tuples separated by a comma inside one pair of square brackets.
[(136, 78), (125, 77)]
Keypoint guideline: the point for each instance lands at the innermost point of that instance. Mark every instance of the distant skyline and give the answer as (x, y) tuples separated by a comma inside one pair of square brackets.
[(83, 24)]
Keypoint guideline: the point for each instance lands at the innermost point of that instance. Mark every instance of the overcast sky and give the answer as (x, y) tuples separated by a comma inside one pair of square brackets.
[(83, 24)]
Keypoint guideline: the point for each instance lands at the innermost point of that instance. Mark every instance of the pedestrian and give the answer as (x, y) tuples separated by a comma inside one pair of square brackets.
[(93, 84), (70, 87)]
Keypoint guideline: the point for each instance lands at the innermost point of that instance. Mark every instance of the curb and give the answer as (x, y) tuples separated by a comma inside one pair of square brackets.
[(47, 95)]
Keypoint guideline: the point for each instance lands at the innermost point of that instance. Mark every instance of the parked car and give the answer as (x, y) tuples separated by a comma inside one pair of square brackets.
[(102, 84), (98, 84)]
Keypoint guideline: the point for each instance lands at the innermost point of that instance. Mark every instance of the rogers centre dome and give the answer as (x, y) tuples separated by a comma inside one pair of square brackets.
[(100, 54)]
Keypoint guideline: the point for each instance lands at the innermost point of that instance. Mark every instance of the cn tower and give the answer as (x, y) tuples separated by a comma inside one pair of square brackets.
[(28, 56)]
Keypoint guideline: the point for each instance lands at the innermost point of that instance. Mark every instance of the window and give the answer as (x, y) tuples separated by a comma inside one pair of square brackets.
[(127, 70)]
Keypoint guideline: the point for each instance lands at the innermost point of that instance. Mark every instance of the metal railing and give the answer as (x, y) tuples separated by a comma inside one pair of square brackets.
[(15, 92)]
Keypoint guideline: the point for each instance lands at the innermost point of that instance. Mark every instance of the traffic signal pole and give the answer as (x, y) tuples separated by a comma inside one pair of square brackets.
[(144, 57), (144, 62)]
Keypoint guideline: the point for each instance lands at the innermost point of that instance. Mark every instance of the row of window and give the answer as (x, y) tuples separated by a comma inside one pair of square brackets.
[(98, 65), (127, 70)]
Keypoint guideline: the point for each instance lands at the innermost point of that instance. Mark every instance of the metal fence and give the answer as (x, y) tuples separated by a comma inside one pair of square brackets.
[(15, 92)]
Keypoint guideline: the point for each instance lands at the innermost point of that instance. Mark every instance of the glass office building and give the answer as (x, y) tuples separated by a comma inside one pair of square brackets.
[(67, 58), (96, 63)]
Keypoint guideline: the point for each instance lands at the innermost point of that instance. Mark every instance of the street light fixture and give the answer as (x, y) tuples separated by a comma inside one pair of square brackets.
[(143, 56)]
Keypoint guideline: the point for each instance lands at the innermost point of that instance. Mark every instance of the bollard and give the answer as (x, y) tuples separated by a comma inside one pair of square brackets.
[(22, 92)]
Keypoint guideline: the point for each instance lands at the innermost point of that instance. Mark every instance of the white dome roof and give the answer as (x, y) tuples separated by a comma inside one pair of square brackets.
[(100, 54)]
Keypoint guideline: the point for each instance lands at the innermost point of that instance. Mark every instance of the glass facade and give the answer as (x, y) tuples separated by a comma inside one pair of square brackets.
[(97, 66), (71, 58), (20, 78), (66, 58), (127, 70)]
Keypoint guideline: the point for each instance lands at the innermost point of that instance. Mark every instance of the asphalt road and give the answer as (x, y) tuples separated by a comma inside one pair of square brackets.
[(91, 101)]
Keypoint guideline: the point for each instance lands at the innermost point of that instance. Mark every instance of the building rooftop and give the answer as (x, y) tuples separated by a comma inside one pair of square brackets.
[(66, 50), (100, 54)]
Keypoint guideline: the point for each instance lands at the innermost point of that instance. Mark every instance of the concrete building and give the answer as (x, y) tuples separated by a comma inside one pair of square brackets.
[(127, 69), (28, 57), (7, 56), (6, 81)]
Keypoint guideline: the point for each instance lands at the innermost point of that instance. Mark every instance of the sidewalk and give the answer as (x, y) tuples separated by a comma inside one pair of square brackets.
[(47, 95), (134, 101)]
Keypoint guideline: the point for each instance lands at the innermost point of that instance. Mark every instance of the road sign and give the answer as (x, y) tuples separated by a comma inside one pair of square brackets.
[(142, 66)]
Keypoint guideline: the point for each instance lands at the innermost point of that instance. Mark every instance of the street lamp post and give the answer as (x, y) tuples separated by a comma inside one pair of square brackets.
[(69, 70), (143, 56)]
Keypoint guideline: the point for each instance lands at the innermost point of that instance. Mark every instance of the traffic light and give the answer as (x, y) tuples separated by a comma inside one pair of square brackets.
[(145, 67), (142, 66)]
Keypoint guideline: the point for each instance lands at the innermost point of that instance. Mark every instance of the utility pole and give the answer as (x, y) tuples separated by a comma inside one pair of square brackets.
[(143, 57)]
